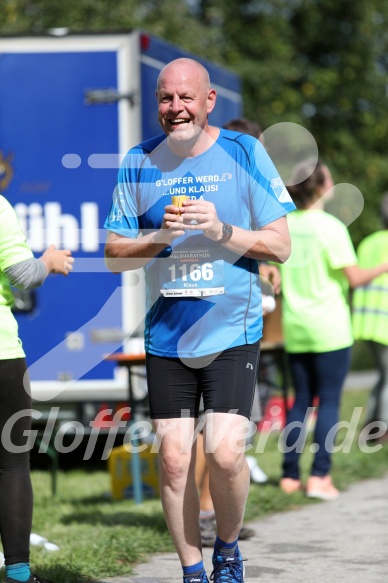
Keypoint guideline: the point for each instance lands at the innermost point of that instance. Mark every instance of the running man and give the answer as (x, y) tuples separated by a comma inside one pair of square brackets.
[(203, 324)]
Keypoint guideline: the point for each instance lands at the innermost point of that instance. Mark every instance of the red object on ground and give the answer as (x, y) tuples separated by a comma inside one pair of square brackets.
[(275, 415)]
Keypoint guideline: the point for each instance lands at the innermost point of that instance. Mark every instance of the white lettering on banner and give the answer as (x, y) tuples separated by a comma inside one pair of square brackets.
[(30, 218), (61, 227), (211, 178), (207, 188), (89, 226), (176, 180), (176, 190), (46, 225), (190, 180)]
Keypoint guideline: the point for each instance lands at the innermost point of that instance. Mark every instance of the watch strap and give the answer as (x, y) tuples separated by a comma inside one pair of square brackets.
[(227, 232)]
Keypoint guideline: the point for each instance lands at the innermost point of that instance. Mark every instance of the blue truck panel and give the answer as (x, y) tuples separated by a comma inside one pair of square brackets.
[(44, 118), (48, 132)]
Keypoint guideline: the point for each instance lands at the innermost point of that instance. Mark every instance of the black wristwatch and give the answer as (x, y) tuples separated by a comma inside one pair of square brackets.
[(227, 232)]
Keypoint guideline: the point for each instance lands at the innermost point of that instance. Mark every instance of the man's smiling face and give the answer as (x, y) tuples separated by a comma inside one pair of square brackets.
[(184, 100)]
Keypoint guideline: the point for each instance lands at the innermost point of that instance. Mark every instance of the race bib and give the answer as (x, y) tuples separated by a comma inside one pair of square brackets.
[(193, 273)]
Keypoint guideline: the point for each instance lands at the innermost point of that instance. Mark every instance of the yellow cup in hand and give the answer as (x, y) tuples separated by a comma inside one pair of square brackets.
[(178, 200)]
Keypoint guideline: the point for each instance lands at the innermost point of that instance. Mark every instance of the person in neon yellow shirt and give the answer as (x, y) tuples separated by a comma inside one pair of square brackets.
[(18, 267), (317, 324), (370, 318)]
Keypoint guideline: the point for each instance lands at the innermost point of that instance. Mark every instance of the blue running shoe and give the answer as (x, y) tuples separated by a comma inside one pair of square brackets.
[(228, 569), (201, 578)]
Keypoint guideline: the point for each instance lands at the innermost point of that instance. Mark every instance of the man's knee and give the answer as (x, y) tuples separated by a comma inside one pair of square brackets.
[(226, 461), (174, 462)]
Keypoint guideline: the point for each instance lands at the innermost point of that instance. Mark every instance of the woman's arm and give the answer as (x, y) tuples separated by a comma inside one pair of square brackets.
[(31, 273), (358, 276)]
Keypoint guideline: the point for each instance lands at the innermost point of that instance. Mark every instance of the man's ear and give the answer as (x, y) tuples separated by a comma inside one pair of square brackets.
[(211, 100)]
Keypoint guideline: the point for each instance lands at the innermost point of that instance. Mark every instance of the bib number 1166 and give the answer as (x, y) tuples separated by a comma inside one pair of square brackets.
[(194, 272)]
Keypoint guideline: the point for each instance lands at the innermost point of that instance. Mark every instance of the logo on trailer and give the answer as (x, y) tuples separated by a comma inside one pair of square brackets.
[(47, 224)]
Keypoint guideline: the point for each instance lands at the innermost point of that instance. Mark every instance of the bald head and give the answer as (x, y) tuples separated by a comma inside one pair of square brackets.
[(185, 99), (185, 69)]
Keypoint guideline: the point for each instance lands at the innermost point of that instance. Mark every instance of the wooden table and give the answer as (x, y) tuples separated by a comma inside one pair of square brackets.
[(128, 360)]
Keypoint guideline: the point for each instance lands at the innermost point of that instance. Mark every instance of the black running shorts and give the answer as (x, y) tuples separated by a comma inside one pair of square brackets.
[(225, 381)]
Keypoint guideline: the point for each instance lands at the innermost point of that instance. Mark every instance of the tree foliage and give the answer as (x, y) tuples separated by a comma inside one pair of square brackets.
[(320, 63)]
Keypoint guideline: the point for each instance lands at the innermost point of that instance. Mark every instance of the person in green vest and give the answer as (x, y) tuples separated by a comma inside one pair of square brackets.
[(370, 320), (317, 324), (19, 268)]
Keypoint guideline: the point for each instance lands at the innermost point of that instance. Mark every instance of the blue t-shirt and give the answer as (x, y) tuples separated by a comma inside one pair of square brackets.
[(201, 297)]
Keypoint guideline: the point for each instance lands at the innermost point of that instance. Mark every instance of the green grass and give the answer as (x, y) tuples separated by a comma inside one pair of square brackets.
[(102, 538)]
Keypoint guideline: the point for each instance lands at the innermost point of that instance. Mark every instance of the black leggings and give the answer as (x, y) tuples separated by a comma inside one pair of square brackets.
[(15, 482)]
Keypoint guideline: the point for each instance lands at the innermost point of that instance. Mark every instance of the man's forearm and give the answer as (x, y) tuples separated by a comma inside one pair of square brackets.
[(264, 245), (272, 243), (126, 254)]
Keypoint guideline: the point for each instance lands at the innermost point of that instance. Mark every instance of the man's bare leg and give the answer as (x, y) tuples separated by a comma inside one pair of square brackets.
[(228, 469), (178, 490)]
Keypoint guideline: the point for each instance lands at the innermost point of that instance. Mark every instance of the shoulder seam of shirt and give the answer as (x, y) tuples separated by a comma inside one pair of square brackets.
[(144, 146), (239, 143)]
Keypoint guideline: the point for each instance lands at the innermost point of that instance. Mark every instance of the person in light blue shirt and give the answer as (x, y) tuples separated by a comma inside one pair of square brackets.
[(203, 322), (195, 266)]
